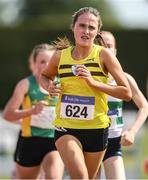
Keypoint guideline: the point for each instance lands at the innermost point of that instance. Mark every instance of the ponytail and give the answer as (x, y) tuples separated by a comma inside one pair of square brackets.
[(61, 43), (100, 41)]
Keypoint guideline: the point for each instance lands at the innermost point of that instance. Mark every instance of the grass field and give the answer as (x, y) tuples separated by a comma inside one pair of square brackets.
[(135, 155)]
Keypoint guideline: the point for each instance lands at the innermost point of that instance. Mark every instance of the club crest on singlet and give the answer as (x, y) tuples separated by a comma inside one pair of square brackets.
[(74, 69)]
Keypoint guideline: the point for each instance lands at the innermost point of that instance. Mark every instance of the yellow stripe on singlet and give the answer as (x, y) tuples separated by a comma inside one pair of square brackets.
[(26, 131)]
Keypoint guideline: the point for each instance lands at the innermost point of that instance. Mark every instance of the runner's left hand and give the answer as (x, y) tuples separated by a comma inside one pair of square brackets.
[(127, 138)]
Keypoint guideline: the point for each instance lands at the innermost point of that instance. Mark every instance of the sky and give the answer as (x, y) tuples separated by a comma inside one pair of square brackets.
[(131, 13), (9, 10)]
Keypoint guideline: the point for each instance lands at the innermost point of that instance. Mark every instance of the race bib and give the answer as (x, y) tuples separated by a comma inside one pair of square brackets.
[(45, 118), (77, 107)]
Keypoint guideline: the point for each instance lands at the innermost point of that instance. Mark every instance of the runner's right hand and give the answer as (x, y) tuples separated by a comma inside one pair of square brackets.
[(38, 107), (54, 89)]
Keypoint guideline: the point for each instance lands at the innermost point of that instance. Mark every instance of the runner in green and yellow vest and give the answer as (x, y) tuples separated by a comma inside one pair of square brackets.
[(32, 106)]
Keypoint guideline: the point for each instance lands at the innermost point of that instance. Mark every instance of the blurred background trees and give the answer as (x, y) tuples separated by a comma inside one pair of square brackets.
[(25, 23)]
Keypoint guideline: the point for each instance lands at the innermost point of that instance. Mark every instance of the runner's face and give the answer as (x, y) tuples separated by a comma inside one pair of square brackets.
[(42, 60), (85, 29), (110, 42)]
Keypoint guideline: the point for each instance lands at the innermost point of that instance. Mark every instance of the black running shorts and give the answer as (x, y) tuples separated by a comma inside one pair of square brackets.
[(30, 151), (92, 140)]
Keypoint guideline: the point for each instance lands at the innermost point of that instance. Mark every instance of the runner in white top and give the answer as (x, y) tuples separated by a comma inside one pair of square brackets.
[(115, 114), (113, 162)]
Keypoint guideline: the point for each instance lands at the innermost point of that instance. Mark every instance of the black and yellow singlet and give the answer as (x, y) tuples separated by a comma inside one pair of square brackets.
[(80, 106)]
